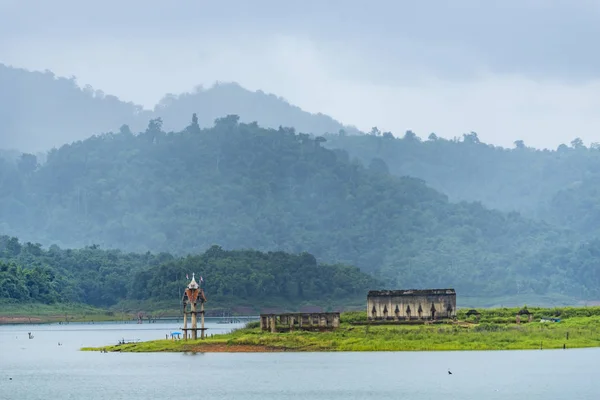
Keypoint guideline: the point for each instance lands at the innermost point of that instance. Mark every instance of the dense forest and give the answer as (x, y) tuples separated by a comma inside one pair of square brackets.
[(559, 187), (40, 110), (106, 277), (486, 220), (243, 186)]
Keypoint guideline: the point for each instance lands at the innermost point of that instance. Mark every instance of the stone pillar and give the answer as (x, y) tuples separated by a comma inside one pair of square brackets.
[(336, 321), (291, 323), (273, 324), (263, 323), (185, 318), (518, 319), (202, 320), (322, 320), (530, 317), (194, 323)]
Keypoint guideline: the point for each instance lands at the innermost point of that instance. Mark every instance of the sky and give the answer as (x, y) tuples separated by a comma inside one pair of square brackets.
[(508, 70)]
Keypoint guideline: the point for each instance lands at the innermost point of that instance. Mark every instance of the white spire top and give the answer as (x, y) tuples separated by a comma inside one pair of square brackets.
[(193, 284)]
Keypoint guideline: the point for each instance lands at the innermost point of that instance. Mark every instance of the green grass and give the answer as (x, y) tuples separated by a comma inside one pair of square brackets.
[(43, 313), (493, 332)]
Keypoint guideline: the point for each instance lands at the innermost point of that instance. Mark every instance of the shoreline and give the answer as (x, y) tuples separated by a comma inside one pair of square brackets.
[(20, 320), (155, 347), (575, 332)]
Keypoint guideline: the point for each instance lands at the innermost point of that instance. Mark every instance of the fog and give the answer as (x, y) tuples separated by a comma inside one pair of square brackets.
[(508, 70)]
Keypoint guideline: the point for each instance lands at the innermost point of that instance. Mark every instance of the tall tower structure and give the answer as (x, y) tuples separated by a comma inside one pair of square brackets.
[(193, 295)]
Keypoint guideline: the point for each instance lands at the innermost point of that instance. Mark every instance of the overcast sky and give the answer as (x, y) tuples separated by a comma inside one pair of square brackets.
[(510, 69)]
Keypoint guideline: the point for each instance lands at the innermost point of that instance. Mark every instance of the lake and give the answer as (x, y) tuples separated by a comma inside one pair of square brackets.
[(41, 369)]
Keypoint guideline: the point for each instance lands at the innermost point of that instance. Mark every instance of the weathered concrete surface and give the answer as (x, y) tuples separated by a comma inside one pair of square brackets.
[(403, 305)]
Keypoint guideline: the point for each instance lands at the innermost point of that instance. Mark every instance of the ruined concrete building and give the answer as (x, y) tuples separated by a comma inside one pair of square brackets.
[(405, 305), (301, 321)]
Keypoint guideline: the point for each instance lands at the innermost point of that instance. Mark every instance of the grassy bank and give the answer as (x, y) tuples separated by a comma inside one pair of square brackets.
[(495, 330), (127, 310), (11, 313)]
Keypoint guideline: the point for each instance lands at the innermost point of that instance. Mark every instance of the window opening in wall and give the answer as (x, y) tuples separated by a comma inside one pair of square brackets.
[(432, 311), (420, 311), (374, 312), (408, 312)]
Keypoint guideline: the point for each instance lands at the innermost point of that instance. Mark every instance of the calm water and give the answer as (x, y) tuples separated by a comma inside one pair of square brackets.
[(40, 369)]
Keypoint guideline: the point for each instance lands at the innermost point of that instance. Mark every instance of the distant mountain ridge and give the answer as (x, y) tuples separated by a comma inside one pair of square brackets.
[(247, 187), (561, 187), (40, 110)]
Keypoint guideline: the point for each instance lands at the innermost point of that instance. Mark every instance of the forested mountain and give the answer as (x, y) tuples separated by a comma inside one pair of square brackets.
[(243, 186), (106, 277), (222, 99), (40, 110), (560, 187)]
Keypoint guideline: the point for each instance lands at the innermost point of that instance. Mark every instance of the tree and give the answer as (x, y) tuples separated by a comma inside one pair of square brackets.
[(411, 136), (319, 140), (124, 130), (27, 163), (519, 144), (230, 121), (432, 137), (194, 127), (563, 148), (577, 143), (375, 131), (471, 138)]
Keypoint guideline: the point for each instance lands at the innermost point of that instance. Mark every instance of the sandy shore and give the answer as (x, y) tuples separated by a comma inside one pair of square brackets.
[(19, 320), (234, 348)]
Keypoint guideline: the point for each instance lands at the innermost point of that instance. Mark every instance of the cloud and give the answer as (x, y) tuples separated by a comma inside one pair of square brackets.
[(507, 70)]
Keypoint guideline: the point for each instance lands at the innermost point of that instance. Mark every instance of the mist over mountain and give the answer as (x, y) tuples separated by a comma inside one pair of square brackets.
[(560, 187), (243, 186), (197, 170), (41, 110)]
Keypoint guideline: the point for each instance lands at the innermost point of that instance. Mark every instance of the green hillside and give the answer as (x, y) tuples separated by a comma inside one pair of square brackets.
[(559, 187), (245, 187), (104, 278)]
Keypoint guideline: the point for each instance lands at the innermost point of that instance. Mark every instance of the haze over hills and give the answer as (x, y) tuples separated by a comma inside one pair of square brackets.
[(560, 187), (41, 111), (243, 186)]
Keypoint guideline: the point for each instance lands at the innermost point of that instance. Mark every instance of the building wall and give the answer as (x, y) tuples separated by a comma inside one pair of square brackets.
[(396, 307)]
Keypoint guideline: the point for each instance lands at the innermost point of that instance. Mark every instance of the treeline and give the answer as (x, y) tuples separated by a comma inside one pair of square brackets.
[(561, 186), (247, 187), (103, 278)]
